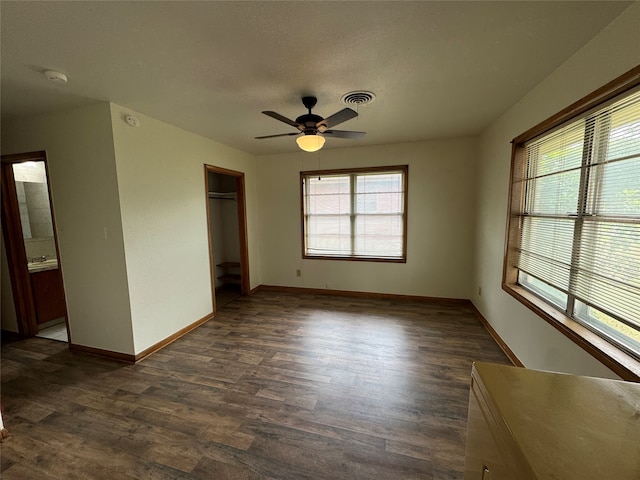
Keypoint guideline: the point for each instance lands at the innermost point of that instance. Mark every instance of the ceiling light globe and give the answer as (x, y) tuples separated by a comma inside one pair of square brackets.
[(310, 143)]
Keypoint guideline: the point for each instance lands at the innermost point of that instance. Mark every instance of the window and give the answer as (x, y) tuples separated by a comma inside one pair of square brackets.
[(574, 228), (355, 214)]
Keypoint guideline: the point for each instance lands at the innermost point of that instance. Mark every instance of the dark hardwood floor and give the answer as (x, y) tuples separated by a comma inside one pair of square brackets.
[(277, 386)]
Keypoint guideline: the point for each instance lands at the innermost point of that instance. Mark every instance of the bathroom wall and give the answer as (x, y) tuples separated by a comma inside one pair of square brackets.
[(33, 199), (23, 209), (40, 247), (35, 213), (37, 200)]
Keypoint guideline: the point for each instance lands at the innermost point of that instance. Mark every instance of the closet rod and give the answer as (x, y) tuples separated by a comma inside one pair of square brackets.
[(223, 195)]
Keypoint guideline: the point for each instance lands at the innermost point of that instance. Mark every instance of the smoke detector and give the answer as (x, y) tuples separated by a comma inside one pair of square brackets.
[(56, 77), (358, 98)]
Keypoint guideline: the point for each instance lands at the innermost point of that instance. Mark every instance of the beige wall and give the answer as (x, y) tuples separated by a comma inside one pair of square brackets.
[(612, 52), (79, 146), (130, 207), (7, 308), (440, 223), (161, 187)]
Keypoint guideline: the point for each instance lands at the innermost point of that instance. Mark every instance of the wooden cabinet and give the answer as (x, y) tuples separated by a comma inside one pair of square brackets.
[(48, 295), (532, 425)]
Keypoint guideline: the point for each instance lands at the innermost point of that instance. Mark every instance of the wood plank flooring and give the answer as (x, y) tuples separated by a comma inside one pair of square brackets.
[(277, 386)]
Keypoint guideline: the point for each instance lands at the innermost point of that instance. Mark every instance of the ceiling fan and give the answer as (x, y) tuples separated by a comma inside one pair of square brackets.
[(313, 127)]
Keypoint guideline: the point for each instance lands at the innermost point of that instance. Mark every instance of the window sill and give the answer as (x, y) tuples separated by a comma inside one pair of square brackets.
[(621, 363), (355, 259)]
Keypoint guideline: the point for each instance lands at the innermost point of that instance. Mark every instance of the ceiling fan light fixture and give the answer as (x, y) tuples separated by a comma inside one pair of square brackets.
[(310, 143)]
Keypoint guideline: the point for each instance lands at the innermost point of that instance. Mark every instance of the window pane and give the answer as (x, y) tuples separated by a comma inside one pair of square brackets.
[(562, 150), (610, 327), (555, 194), (545, 249), (615, 188), (328, 185), (619, 188), (328, 195), (608, 271), (328, 235), (381, 182), (379, 203), (543, 289), (379, 235), (379, 193), (624, 137), (329, 204)]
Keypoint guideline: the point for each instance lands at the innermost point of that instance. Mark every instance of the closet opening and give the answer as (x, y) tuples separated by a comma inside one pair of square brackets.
[(227, 225)]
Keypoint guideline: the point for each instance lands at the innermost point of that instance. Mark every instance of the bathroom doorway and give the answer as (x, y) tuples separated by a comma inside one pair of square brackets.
[(31, 246), (226, 220)]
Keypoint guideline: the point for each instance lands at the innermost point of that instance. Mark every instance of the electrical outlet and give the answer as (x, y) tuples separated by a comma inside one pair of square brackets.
[(298, 273), (479, 291)]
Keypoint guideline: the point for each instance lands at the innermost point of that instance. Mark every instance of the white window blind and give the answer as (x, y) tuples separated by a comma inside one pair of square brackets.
[(580, 221), (359, 214)]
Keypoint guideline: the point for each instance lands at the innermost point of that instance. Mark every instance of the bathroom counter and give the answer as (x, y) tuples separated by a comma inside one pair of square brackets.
[(51, 264)]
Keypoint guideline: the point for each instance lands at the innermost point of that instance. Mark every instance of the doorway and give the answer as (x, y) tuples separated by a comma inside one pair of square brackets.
[(227, 228), (29, 233)]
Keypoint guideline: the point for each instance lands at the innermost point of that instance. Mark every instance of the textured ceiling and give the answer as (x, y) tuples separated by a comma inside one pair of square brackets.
[(438, 69)]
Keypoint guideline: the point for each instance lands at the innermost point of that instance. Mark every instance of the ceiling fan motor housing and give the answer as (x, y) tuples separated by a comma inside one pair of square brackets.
[(309, 121)]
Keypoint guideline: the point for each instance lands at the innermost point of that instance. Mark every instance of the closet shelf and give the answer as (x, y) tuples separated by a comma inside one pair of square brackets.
[(228, 265), (230, 277)]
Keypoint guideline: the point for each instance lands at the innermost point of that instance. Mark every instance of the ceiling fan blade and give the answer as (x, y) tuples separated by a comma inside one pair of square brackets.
[(337, 118), (343, 134), (284, 119), (278, 135)]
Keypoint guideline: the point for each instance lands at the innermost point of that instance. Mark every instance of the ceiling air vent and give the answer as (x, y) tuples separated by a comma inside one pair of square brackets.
[(358, 98)]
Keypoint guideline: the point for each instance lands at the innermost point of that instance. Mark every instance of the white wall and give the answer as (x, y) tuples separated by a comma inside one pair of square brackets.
[(230, 231), (440, 220), (612, 52), (217, 236), (161, 183), (7, 308), (84, 190)]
